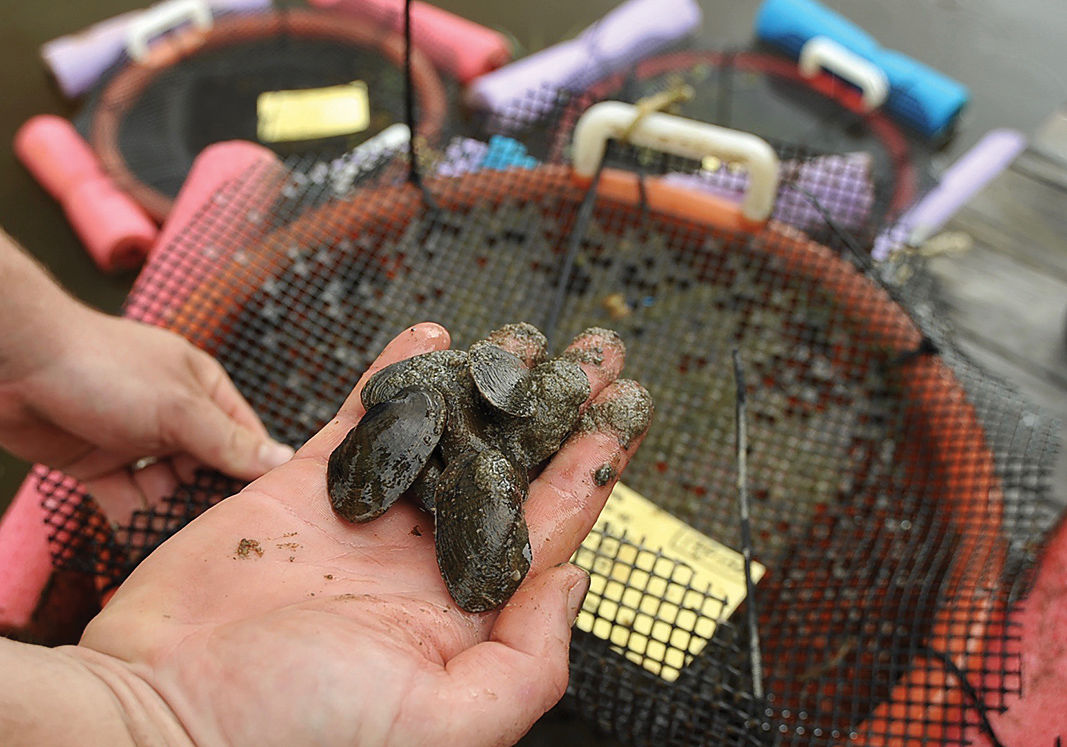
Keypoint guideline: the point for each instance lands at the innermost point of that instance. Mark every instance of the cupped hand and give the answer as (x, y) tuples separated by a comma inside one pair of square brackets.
[(270, 620), (114, 391)]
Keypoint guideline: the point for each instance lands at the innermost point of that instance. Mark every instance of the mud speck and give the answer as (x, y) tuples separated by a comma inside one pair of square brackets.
[(616, 306), (415, 531), (604, 474), (592, 355), (328, 577), (288, 546), (247, 547)]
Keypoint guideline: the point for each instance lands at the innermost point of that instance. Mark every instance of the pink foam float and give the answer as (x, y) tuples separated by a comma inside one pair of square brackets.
[(25, 560), (115, 230), (460, 47), (210, 187)]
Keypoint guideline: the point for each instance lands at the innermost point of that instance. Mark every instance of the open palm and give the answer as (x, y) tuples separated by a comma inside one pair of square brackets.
[(270, 620)]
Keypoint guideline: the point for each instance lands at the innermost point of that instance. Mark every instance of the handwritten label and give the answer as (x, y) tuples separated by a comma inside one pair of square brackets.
[(658, 597), (311, 113)]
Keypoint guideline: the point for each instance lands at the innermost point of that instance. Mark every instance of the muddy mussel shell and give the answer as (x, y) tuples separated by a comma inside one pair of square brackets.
[(483, 545), (502, 379), (557, 389), (382, 456)]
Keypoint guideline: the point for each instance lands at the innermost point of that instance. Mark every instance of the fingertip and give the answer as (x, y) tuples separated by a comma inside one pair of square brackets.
[(622, 409), (272, 454), (424, 337), (601, 353), (431, 334), (521, 339)]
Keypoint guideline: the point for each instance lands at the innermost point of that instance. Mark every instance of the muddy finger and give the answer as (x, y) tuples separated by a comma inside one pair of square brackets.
[(566, 499), (522, 339), (601, 354)]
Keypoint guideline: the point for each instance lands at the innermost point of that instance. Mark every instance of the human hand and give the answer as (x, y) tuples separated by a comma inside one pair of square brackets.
[(271, 620), (105, 392)]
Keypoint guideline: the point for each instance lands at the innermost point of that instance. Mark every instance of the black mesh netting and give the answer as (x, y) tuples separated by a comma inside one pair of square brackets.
[(898, 493)]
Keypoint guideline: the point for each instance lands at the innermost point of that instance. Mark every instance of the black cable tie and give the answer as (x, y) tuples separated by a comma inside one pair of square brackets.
[(968, 690), (574, 240), (925, 347), (409, 102)]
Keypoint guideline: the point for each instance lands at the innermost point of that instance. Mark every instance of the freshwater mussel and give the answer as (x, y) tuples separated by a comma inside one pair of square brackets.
[(459, 431)]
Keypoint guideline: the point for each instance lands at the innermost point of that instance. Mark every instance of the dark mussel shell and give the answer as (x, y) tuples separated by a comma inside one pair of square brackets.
[(436, 370), (383, 455), (425, 484), (502, 380), (483, 545)]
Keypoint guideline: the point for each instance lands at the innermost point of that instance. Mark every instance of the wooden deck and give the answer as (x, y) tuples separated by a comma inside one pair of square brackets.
[(1007, 294)]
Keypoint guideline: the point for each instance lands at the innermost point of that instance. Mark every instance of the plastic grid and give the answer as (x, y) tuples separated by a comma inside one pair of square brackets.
[(894, 537)]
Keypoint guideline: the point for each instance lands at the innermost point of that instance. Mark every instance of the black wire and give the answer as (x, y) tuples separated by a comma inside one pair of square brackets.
[(926, 346), (725, 93), (409, 115), (574, 240), (409, 100), (968, 689), (755, 654)]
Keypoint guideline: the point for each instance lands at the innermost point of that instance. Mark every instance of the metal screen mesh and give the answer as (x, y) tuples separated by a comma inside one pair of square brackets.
[(897, 491)]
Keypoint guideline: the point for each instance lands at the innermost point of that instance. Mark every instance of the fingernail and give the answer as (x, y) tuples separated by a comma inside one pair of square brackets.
[(273, 454), (433, 332), (576, 595), (623, 409)]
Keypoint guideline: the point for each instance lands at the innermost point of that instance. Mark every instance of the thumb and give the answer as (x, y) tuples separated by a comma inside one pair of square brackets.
[(522, 670), (204, 430)]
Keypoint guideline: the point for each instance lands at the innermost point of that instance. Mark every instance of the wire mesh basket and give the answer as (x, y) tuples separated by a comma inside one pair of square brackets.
[(896, 489), (845, 167), (150, 117)]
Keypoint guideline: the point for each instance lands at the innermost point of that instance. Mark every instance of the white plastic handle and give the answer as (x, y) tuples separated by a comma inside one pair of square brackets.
[(683, 137), (821, 53), (162, 18)]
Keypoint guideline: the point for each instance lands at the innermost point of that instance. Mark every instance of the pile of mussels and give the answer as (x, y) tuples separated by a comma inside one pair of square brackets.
[(460, 431)]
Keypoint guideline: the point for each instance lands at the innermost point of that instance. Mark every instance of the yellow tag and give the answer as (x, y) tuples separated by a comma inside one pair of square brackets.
[(312, 113), (646, 597)]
